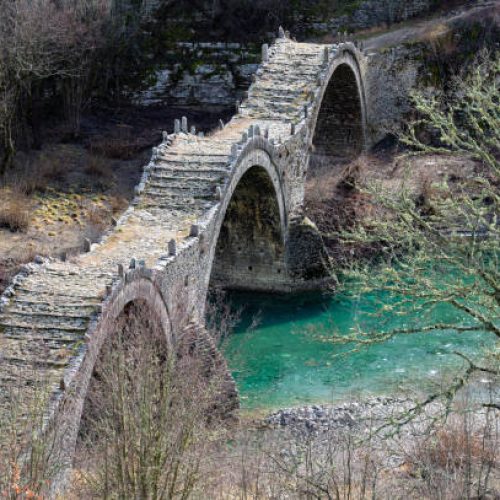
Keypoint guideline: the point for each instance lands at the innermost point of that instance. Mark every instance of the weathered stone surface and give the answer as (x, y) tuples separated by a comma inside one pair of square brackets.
[(55, 319), (306, 256), (224, 76)]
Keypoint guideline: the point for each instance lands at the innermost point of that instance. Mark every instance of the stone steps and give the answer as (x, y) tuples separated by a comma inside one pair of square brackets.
[(192, 168), (187, 176), (182, 205), (279, 90), (199, 158), (41, 292), (281, 73), (47, 318), (287, 113), (40, 305), (273, 98), (42, 322), (178, 194), (177, 188)]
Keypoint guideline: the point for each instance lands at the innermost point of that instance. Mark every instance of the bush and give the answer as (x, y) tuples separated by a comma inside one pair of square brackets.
[(146, 424), (98, 166), (15, 211)]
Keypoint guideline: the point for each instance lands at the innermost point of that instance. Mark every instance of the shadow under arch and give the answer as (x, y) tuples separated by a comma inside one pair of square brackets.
[(138, 291), (136, 337), (340, 129), (249, 252)]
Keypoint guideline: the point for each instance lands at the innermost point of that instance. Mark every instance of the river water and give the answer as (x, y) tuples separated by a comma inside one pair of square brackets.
[(287, 359)]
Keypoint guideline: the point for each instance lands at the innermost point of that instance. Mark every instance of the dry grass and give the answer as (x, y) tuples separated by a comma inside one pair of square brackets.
[(37, 173), (117, 203), (116, 147), (53, 168), (457, 459), (15, 210), (97, 166), (333, 200), (452, 449), (441, 39)]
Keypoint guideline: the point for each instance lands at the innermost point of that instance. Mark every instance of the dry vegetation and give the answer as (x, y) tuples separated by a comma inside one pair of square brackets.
[(336, 200), (456, 460), (54, 199), (149, 431), (15, 211)]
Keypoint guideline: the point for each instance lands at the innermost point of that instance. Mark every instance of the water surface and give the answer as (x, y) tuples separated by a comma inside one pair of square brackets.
[(287, 359)]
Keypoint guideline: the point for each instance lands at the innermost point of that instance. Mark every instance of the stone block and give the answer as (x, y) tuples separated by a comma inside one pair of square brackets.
[(265, 53), (172, 248)]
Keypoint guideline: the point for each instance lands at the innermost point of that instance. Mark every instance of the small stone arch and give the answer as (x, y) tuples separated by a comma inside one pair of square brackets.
[(339, 127)]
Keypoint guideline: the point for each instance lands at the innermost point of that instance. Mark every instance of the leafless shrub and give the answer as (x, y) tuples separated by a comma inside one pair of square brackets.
[(117, 203), (97, 166), (51, 167), (452, 460), (459, 459), (14, 211), (116, 147), (33, 173), (29, 459), (146, 428), (220, 317), (44, 41)]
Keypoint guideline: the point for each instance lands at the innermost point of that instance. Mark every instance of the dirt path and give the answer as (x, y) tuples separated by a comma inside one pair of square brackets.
[(419, 29)]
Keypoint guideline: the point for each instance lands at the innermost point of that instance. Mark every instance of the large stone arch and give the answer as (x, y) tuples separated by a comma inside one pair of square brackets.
[(256, 186), (139, 286), (339, 124)]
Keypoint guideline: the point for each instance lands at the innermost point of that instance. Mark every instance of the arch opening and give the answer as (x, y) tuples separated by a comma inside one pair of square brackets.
[(141, 385), (250, 250), (339, 134), (136, 348)]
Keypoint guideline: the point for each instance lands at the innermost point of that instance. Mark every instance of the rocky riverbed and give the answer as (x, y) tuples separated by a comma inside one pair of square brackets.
[(385, 415), (390, 427)]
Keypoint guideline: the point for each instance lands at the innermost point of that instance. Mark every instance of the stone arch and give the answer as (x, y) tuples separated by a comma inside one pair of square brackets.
[(248, 244), (137, 338), (137, 287), (339, 124)]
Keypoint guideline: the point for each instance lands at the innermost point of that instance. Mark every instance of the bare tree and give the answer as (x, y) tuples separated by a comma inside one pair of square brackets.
[(50, 48), (440, 250)]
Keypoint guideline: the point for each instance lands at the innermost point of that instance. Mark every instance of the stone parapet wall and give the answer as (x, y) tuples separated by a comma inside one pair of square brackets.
[(56, 316)]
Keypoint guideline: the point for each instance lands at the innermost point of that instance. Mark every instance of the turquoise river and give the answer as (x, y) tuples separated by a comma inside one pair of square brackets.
[(287, 360)]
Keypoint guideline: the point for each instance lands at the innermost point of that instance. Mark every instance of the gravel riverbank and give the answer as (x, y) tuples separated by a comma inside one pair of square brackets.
[(393, 414)]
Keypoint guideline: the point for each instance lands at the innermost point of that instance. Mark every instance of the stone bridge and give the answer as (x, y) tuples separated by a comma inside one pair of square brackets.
[(224, 209)]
